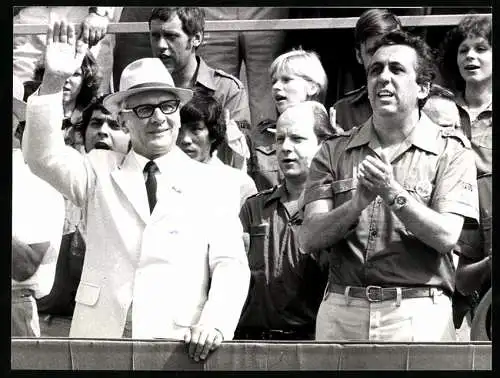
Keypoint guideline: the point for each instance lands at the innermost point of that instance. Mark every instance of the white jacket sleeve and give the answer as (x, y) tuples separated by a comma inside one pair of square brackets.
[(45, 152)]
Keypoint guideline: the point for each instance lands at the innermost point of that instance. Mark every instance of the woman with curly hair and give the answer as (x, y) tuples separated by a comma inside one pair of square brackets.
[(467, 67)]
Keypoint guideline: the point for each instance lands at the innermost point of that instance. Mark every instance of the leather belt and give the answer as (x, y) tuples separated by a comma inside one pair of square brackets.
[(378, 294)]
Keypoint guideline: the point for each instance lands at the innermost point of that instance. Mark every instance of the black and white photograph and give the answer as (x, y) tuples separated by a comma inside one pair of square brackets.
[(252, 188)]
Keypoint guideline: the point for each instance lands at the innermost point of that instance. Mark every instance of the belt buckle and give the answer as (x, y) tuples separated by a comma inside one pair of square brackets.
[(367, 293)]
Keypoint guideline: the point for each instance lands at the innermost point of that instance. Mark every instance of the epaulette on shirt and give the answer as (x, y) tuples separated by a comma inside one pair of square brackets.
[(264, 192), (451, 132), (229, 76), (355, 94)]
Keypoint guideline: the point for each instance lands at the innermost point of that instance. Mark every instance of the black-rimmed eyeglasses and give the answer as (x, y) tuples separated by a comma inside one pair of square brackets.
[(147, 110)]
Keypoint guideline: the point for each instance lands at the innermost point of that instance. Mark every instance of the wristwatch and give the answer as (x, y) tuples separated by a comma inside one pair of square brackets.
[(99, 11), (399, 202)]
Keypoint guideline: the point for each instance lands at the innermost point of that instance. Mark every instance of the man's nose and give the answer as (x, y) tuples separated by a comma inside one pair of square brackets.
[(185, 137), (157, 117), (163, 44), (385, 74), (286, 145), (104, 129)]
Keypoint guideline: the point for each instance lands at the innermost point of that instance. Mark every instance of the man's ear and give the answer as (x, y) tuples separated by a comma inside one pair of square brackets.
[(197, 39), (424, 90), (358, 56)]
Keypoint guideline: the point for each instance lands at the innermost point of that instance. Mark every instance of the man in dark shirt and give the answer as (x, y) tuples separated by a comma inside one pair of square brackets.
[(389, 199), (287, 285)]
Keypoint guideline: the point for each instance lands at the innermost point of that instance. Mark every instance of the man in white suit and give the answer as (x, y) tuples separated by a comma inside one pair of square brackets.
[(181, 259)]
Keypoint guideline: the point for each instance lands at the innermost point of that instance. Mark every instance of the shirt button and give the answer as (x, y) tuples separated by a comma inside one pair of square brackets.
[(374, 233)]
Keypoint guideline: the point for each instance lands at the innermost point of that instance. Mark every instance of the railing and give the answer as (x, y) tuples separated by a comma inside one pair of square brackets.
[(80, 354), (281, 24)]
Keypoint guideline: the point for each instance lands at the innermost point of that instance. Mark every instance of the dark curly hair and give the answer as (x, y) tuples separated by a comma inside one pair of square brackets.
[(91, 79), (204, 107), (426, 67), (192, 18), (95, 104), (473, 26)]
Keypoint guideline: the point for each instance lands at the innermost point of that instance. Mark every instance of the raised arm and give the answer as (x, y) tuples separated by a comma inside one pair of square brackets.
[(43, 144)]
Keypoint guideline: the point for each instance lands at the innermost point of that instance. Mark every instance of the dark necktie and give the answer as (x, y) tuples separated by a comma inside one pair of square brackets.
[(150, 170)]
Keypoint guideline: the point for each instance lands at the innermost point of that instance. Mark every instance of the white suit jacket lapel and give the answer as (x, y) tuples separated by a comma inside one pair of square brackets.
[(129, 177)]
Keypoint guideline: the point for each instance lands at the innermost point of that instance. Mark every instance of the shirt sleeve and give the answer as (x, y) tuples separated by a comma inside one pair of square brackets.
[(237, 102), (246, 216), (321, 176), (456, 187)]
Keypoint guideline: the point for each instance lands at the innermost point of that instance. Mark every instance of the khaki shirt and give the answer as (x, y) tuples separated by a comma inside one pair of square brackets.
[(353, 109), (263, 166), (287, 285), (480, 133), (435, 165), (227, 89), (231, 94)]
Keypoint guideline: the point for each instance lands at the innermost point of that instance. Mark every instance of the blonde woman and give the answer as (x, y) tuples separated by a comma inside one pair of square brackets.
[(296, 76)]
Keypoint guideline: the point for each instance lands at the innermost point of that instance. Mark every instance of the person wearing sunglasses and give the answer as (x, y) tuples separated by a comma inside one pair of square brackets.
[(165, 257)]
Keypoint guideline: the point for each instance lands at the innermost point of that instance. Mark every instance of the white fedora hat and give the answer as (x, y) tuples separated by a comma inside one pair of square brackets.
[(18, 105), (143, 75)]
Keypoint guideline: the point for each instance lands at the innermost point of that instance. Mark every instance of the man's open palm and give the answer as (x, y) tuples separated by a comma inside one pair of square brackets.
[(64, 53)]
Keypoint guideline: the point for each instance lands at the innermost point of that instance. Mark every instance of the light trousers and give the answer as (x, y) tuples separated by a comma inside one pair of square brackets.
[(415, 319)]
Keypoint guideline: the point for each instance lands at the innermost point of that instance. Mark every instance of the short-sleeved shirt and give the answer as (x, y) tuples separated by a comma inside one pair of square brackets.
[(480, 133), (286, 286), (263, 166), (227, 89), (353, 109), (435, 165), (231, 94)]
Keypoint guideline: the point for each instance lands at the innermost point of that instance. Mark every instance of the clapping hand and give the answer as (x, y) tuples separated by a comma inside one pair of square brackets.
[(376, 174), (64, 53)]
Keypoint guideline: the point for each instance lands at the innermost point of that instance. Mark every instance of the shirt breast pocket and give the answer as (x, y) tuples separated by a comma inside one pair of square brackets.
[(483, 139), (421, 190), (343, 190), (259, 246), (266, 159)]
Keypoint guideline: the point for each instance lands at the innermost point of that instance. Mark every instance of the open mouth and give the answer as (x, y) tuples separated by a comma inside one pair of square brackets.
[(385, 94), (288, 160), (279, 98), (471, 67), (101, 146)]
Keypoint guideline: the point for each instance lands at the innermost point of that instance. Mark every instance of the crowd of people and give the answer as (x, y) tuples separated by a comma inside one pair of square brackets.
[(170, 209)]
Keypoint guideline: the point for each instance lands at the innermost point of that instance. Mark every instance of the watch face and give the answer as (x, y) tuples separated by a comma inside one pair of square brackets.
[(400, 200)]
